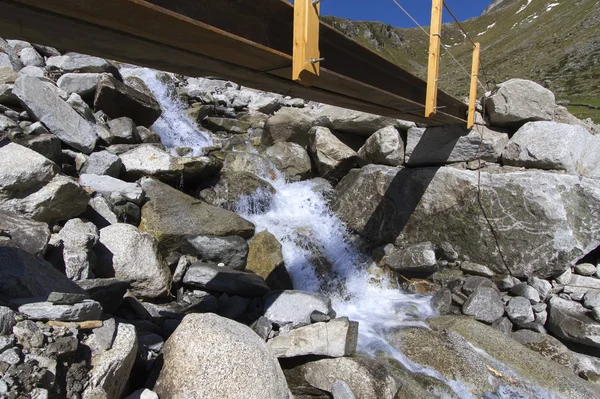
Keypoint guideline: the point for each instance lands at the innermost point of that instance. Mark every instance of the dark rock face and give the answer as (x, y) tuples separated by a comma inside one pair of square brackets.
[(224, 279), (117, 99), (22, 232)]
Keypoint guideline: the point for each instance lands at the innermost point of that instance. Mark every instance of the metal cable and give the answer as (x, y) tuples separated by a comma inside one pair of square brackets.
[(458, 23)]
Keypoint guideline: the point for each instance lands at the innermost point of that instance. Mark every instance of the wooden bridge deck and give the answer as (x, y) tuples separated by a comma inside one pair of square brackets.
[(246, 41)]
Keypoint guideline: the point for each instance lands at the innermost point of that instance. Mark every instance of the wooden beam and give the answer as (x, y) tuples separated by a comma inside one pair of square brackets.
[(433, 67), (305, 68), (474, 82)]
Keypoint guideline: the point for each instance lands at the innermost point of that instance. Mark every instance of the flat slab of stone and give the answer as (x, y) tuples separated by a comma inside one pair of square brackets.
[(86, 310), (295, 306), (570, 321), (22, 232), (224, 279), (111, 187)]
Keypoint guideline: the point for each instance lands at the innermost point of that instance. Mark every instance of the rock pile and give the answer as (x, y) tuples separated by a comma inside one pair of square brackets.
[(125, 269)]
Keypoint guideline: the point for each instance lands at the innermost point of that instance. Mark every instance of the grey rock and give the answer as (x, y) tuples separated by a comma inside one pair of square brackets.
[(543, 287), (287, 125), (504, 283), (504, 325), (103, 163), (233, 307), (341, 390), (232, 251), (100, 212), (591, 299), (45, 144), (30, 57), (384, 147), (111, 368), (546, 345), (565, 278), (476, 269), (113, 188), (585, 269), (74, 62), (209, 346), (596, 313), (569, 321), (23, 275), (22, 232), (62, 346), (229, 125), (517, 101), (558, 146), (224, 279), (79, 238), (6, 341), (265, 258), (108, 291), (62, 120), (65, 298), (291, 159), (86, 310), (442, 301), (29, 335), (233, 187), (152, 342), (23, 169), (447, 144), (295, 307), (132, 255), (102, 338), (11, 356), (9, 56), (448, 197), (519, 311), (413, 260), (7, 321), (117, 99), (6, 123), (351, 121), (580, 285), (83, 84), (256, 164), (484, 304), (124, 131), (336, 338), (77, 103), (526, 291), (262, 327), (333, 159), (33, 71), (473, 282), (143, 393)]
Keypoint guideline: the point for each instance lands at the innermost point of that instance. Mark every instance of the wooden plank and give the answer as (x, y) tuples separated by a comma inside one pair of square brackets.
[(433, 66), (68, 33), (474, 82), (306, 42), (267, 22)]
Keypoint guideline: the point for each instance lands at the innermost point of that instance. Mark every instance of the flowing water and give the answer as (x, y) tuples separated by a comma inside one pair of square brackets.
[(319, 254)]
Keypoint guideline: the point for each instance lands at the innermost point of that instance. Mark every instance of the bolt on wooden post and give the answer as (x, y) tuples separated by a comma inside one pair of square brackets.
[(433, 67), (306, 55), (474, 81)]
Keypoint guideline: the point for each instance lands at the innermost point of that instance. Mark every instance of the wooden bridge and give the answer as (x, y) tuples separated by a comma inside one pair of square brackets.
[(246, 41)]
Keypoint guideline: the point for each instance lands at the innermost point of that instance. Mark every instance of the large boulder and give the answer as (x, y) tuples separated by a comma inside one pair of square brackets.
[(81, 63), (288, 124), (484, 304), (78, 239), (265, 258), (350, 121), (83, 84), (256, 164), (45, 105), (112, 188), (22, 169), (22, 275), (542, 221), (231, 251), (227, 360), (170, 216), (332, 158), (295, 307), (45, 144), (291, 159), (117, 99), (447, 144), (130, 254), (232, 187), (550, 145), (23, 232), (418, 259), (224, 279), (384, 147), (517, 101), (571, 322)]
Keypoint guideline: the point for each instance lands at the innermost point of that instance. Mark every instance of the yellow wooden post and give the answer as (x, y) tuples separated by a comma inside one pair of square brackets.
[(433, 68), (474, 81), (306, 55)]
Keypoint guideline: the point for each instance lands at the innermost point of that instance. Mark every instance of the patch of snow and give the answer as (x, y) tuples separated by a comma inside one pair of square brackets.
[(524, 6), (551, 6)]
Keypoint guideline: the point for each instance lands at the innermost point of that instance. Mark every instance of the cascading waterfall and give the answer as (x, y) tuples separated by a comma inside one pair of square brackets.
[(174, 127)]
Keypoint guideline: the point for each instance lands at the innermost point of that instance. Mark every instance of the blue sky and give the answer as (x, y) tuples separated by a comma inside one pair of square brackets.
[(388, 12)]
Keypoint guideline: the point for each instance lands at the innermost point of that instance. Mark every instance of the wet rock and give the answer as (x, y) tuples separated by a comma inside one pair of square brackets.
[(351, 121), (22, 275), (47, 145), (86, 310), (448, 197), (558, 146), (83, 84), (295, 307), (519, 311), (526, 291), (231, 251), (112, 188), (418, 259), (111, 368), (22, 232), (256, 164), (569, 320), (384, 147), (517, 101), (447, 144), (265, 258), (224, 279), (132, 255), (291, 159), (208, 347), (117, 99), (60, 118), (585, 269), (333, 159), (232, 187), (103, 163), (287, 125), (484, 304), (170, 216), (233, 126)]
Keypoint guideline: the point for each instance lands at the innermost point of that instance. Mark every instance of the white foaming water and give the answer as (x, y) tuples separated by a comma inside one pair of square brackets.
[(174, 127)]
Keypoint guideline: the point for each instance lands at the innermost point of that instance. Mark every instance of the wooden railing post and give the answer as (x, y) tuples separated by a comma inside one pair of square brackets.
[(306, 55), (433, 68), (474, 82)]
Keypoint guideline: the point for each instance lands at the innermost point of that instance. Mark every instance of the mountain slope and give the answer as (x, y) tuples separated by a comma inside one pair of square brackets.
[(554, 42)]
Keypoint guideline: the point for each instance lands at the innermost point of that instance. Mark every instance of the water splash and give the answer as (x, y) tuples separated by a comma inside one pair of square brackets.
[(173, 126)]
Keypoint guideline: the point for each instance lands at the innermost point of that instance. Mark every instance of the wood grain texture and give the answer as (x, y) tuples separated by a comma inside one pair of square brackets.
[(433, 65)]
